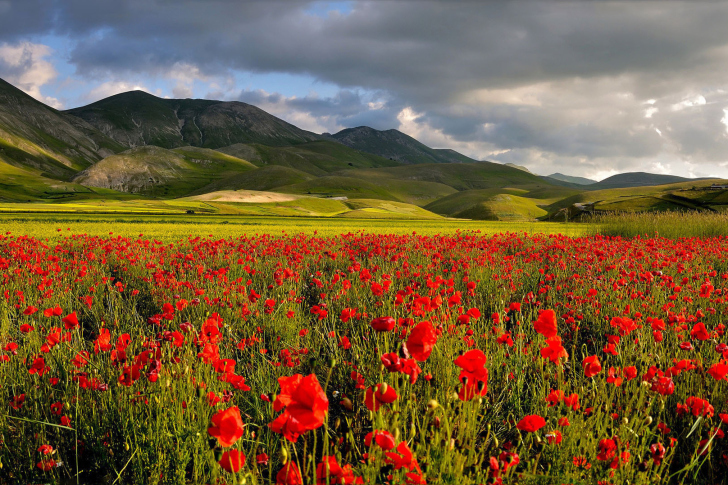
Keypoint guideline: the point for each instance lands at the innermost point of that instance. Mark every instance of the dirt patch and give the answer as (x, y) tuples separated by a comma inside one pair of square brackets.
[(249, 196)]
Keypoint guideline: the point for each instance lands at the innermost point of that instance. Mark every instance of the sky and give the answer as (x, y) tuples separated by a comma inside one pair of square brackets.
[(589, 88)]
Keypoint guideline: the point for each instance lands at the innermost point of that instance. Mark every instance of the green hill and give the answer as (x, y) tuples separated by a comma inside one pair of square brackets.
[(460, 176), (489, 204), (159, 172), (691, 195), (636, 179), (572, 179), (316, 158), (137, 118)]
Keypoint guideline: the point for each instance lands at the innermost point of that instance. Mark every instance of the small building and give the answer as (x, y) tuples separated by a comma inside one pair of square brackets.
[(718, 187)]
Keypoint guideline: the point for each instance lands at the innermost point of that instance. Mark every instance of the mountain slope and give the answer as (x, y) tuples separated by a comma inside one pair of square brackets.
[(39, 139), (396, 145), (316, 158), (636, 179), (138, 118), (461, 176), (159, 172), (571, 179)]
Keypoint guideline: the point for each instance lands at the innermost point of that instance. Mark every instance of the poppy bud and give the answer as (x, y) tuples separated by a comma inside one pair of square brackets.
[(332, 362), (337, 423), (643, 466), (437, 422), (218, 454), (496, 443), (200, 392), (648, 420), (126, 446), (625, 420), (432, 404), (347, 404), (284, 456)]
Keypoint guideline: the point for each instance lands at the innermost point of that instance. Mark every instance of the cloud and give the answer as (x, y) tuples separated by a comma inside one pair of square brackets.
[(24, 65), (585, 87), (347, 108)]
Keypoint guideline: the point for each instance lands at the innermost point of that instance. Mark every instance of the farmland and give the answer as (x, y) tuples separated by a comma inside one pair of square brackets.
[(175, 349)]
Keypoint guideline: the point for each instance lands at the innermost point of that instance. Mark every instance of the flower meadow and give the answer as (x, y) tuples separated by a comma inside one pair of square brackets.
[(363, 358)]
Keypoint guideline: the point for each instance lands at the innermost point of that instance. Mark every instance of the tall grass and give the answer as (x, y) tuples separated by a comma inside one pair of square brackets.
[(671, 225)]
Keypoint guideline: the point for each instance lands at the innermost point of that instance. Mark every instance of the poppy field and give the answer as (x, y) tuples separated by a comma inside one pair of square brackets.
[(456, 358)]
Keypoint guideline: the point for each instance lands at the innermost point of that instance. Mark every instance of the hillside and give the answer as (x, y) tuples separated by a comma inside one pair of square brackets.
[(691, 195), (316, 158), (461, 176), (636, 179), (138, 118), (41, 140), (395, 145), (159, 172), (572, 179)]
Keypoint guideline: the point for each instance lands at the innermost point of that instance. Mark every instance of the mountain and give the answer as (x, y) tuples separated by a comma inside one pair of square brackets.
[(41, 140), (636, 179), (395, 145), (137, 118), (571, 179)]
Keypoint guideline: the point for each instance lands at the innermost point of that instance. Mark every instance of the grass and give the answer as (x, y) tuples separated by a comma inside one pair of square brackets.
[(670, 225), (170, 227)]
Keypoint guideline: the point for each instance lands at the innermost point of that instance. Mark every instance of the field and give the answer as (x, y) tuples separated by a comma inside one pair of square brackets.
[(180, 349)]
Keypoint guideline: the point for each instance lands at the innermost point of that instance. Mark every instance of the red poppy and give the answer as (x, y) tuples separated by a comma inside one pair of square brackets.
[(305, 404), (70, 322), (378, 395), (591, 366), (290, 474), (382, 438), (473, 376), (227, 426), (718, 371), (421, 341), (531, 423), (554, 350), (546, 324), (232, 461), (383, 324)]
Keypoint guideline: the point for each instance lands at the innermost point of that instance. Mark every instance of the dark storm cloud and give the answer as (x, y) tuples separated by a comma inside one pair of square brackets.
[(546, 80)]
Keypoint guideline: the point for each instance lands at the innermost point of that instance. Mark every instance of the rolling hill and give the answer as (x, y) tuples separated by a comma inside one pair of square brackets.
[(636, 179), (571, 179)]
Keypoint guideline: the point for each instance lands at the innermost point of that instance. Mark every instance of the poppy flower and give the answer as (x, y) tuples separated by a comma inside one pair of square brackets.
[(546, 324), (531, 423), (380, 394), (554, 350), (383, 324), (421, 341), (607, 450), (591, 366), (382, 438), (70, 322), (232, 461), (718, 371), (227, 426), (305, 405), (290, 474), (473, 376)]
